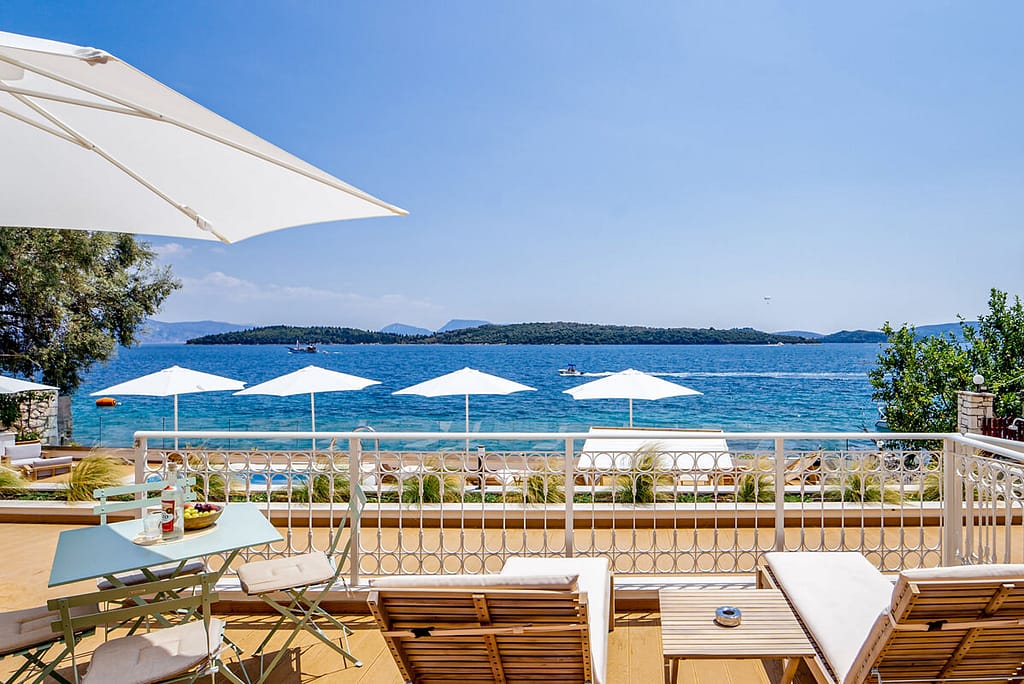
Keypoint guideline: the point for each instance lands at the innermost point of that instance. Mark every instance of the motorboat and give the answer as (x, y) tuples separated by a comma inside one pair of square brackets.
[(303, 348), (569, 371)]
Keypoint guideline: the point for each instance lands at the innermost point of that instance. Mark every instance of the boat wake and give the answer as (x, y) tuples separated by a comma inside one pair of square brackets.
[(779, 375)]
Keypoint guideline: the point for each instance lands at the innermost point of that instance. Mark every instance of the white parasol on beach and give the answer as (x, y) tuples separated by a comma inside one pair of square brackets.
[(90, 142), (630, 384), (466, 381), (172, 382), (311, 379), (14, 385)]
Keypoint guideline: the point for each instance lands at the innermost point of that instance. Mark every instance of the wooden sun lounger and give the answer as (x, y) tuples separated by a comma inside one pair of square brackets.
[(963, 624), (517, 626)]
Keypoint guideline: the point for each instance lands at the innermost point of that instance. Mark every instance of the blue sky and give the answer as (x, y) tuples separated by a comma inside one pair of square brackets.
[(655, 163)]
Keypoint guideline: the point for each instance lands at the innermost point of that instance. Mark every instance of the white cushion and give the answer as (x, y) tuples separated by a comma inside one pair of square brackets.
[(594, 580), (288, 572), (959, 573), (23, 452), (546, 582), (838, 595), (20, 629), (154, 656)]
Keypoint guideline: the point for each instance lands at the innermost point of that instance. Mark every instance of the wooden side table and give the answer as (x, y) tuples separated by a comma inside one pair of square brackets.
[(768, 629)]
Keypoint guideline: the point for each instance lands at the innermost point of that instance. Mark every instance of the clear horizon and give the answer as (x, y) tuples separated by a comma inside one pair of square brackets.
[(782, 167)]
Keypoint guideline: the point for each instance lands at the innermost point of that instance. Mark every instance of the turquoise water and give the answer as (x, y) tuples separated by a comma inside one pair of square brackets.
[(746, 388)]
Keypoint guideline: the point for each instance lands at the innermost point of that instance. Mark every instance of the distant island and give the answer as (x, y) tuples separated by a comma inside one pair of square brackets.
[(517, 333)]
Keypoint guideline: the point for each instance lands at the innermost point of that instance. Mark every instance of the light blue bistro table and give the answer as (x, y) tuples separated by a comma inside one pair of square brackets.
[(108, 550)]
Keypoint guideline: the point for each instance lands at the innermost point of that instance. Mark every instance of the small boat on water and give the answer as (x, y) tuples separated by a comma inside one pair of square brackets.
[(303, 348), (569, 371)]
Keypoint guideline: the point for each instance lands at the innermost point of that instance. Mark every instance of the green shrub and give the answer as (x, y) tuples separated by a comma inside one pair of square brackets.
[(931, 487), (862, 484), (539, 489), (92, 472), (323, 488), (758, 485), (640, 483), (433, 485)]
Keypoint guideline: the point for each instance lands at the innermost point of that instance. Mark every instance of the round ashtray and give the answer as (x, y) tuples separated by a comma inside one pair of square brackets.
[(728, 616)]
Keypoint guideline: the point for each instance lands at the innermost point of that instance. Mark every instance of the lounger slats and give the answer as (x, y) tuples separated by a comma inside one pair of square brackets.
[(490, 656), (972, 637)]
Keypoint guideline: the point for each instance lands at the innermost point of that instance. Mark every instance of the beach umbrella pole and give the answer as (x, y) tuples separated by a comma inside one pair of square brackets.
[(630, 412), (467, 424), (175, 422), (312, 415)]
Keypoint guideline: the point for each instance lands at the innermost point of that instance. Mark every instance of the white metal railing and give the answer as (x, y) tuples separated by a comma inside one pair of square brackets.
[(671, 510)]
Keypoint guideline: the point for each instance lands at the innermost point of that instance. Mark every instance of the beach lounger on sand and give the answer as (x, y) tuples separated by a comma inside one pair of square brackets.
[(540, 619), (696, 459), (962, 624)]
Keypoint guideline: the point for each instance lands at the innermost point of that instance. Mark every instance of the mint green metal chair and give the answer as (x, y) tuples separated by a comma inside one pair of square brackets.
[(297, 577), (27, 634), (184, 652)]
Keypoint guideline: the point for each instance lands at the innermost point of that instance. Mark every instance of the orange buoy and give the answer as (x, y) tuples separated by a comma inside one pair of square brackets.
[(107, 401)]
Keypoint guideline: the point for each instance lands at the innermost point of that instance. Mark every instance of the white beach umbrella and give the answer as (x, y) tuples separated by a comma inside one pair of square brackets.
[(630, 384), (311, 379), (466, 382), (173, 381), (90, 142), (14, 385)]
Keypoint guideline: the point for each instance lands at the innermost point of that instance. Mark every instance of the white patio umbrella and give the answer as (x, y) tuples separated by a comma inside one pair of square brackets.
[(90, 142), (466, 381), (630, 384), (14, 385), (311, 379), (173, 381)]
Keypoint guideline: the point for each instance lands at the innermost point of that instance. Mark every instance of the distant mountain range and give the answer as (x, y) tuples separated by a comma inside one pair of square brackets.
[(403, 329), (460, 324), (876, 336), (159, 332)]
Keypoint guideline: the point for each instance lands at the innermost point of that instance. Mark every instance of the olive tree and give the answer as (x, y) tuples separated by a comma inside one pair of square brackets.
[(916, 380), (68, 298)]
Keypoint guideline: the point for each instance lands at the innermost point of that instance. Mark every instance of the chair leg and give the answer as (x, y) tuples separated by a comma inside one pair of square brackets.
[(303, 612)]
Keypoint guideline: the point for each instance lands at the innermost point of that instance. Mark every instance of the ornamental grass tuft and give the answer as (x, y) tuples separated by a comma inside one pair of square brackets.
[(11, 482), (92, 472)]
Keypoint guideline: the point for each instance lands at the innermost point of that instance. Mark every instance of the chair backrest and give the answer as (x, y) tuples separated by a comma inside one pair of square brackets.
[(498, 628), (187, 594), (955, 624), (140, 492), (349, 519)]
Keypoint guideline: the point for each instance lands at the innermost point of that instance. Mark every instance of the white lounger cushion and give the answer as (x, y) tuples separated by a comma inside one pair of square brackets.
[(838, 595), (546, 582), (594, 581), (155, 656), (960, 573)]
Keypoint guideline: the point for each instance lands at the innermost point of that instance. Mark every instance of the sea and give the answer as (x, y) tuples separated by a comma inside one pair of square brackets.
[(805, 388)]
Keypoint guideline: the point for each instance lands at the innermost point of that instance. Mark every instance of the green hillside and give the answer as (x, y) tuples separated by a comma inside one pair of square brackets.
[(518, 333)]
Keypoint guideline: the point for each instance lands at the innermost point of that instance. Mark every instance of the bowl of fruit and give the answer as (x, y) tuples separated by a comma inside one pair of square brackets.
[(200, 515)]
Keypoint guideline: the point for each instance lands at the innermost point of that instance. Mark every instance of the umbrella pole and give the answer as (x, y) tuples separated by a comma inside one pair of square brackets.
[(175, 422), (467, 424), (312, 415), (631, 412)]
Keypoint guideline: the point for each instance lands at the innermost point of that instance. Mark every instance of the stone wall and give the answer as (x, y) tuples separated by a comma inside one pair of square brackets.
[(38, 414)]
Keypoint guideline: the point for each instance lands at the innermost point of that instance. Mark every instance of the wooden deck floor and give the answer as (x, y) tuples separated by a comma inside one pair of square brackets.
[(634, 647)]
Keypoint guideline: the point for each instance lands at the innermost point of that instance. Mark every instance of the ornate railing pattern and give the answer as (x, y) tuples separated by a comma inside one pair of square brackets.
[(666, 510)]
